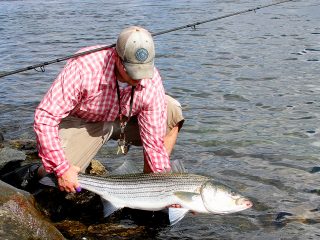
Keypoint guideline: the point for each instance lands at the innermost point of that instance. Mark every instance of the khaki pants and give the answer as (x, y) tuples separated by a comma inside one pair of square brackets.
[(81, 140)]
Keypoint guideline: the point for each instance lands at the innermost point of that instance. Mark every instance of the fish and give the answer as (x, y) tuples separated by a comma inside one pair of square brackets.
[(158, 191)]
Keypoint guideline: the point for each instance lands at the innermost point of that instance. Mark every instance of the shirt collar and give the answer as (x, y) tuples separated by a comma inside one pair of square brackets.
[(109, 75)]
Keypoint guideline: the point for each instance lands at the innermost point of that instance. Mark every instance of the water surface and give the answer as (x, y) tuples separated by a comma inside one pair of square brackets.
[(249, 87)]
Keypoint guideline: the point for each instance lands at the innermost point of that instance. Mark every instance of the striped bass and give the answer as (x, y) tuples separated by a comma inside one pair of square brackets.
[(157, 191)]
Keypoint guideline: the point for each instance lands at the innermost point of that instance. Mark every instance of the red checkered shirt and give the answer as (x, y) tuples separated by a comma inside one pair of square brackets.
[(86, 88)]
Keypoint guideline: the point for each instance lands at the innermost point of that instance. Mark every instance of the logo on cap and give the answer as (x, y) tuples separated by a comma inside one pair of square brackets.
[(142, 54)]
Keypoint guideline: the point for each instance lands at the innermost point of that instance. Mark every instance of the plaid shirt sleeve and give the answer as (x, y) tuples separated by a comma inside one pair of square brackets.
[(61, 98), (152, 123)]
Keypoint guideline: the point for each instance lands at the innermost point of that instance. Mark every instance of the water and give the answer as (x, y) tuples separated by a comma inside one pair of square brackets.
[(249, 86)]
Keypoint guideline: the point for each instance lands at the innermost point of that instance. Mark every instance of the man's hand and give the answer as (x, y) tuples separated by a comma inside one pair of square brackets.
[(69, 180)]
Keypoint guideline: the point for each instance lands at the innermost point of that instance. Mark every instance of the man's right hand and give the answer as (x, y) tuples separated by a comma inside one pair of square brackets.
[(69, 180)]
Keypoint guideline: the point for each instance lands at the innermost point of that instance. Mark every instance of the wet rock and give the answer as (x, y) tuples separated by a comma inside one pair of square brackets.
[(84, 206), (72, 229), (1, 138), (75, 216), (80, 216), (19, 219), (315, 170), (23, 144), (19, 149), (96, 168), (116, 230), (28, 146), (315, 191), (8, 154), (225, 152), (281, 215), (77, 230)]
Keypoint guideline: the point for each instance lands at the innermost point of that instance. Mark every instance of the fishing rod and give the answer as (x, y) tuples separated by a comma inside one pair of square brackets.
[(42, 65)]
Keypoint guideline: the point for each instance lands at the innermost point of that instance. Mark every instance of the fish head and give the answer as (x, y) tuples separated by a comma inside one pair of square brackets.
[(220, 199)]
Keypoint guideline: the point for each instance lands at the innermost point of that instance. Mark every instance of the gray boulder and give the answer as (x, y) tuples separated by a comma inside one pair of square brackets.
[(19, 219), (8, 154)]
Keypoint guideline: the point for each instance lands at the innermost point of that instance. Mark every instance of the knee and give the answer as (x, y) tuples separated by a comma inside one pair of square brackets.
[(175, 117), (173, 132)]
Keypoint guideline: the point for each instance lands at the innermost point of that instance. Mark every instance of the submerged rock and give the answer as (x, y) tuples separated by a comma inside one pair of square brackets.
[(1, 138), (19, 219)]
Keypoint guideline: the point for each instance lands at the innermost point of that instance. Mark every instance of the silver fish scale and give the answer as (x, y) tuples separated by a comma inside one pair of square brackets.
[(143, 186)]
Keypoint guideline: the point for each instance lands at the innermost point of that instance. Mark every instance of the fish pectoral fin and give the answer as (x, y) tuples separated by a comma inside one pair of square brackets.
[(176, 214), (186, 196), (108, 208)]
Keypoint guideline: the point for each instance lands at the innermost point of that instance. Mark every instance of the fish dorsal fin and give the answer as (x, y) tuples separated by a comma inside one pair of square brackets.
[(186, 196), (108, 208), (176, 214), (127, 167), (178, 167)]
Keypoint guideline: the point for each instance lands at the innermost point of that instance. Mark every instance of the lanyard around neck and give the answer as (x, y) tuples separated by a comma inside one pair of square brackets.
[(123, 145), (131, 102)]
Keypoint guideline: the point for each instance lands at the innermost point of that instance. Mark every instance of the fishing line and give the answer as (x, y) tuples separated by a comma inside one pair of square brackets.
[(42, 65)]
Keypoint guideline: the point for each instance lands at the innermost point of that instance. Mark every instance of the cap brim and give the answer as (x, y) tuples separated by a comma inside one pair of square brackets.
[(139, 71)]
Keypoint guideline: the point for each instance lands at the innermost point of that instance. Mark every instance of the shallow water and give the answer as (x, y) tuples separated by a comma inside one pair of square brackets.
[(249, 87)]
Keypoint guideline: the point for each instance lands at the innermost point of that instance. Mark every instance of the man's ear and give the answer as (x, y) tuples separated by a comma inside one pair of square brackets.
[(119, 64)]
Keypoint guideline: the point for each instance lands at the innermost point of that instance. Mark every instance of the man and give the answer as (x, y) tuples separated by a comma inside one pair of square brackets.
[(115, 93)]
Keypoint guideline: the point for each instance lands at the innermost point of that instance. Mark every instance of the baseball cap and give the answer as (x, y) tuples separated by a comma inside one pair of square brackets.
[(136, 48)]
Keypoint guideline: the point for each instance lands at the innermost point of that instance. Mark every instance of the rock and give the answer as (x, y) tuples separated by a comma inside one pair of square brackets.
[(77, 230), (8, 154), (26, 145), (72, 229), (58, 206), (315, 170), (111, 230), (19, 149), (96, 168), (19, 219), (1, 138), (225, 152)]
